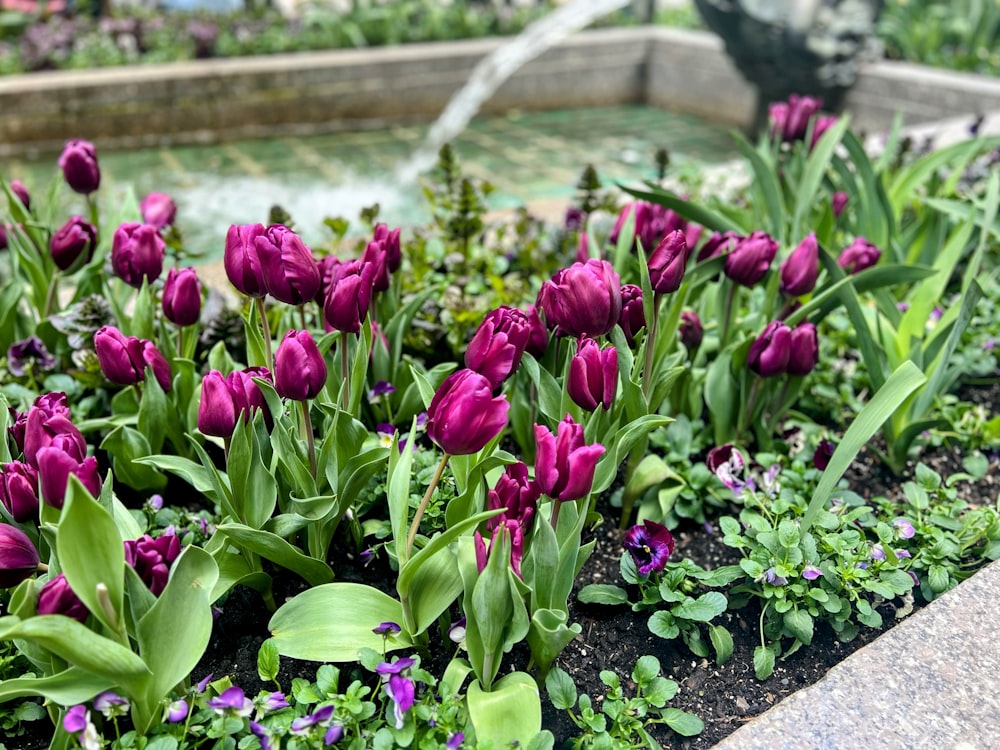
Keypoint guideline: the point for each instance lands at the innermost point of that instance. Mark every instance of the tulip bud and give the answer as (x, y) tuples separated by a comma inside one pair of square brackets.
[(582, 300), (801, 268), (349, 296), (384, 252), (58, 598), (241, 261), (769, 354), (464, 416), (289, 269), (750, 259), (54, 468), (861, 254), (75, 238), (17, 188), (691, 331), (153, 359), (182, 296), (667, 263), (19, 491), (498, 344), (517, 494), (18, 556), (299, 368), (820, 125), (216, 410), (137, 252), (375, 255), (803, 350), (516, 534), (652, 223), (593, 375), (564, 465), (46, 429), (390, 242), (719, 243), (124, 359), (838, 203), (790, 120), (633, 317), (78, 163), (151, 558), (158, 210), (538, 336)]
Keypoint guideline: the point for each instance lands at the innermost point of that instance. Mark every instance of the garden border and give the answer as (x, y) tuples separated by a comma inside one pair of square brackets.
[(311, 92)]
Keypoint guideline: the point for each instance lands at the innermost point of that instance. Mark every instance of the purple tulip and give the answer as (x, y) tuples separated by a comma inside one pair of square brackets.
[(517, 494), (124, 359), (498, 344), (582, 300), (858, 256), (803, 350), (564, 465), (29, 354), (820, 125), (54, 468), (516, 533), (289, 270), (667, 263), (719, 243), (801, 268), (749, 260), (384, 254), (464, 416), (225, 398), (19, 491), (182, 297), (838, 202), (538, 335), (389, 239), (3, 236), (18, 556), (633, 317), (51, 428), (650, 546), (78, 163), (349, 296), (243, 266), (790, 120), (58, 598), (690, 329), (158, 210), (652, 223), (18, 188), (137, 252), (76, 238), (768, 355), (823, 454), (299, 368), (593, 375), (151, 559)]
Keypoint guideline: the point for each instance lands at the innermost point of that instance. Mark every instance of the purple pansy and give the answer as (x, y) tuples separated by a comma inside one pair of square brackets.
[(650, 545)]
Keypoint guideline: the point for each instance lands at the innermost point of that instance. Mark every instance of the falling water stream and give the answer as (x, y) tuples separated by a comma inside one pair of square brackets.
[(491, 72)]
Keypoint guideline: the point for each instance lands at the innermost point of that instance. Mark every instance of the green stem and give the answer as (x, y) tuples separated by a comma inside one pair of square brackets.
[(266, 330), (310, 440), (727, 316), (345, 371), (50, 295), (647, 370), (412, 535), (554, 518)]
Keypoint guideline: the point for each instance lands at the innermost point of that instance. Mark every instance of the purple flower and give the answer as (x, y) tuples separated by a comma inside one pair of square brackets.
[(242, 263), (823, 454), (668, 262), (801, 268), (771, 576), (158, 210), (76, 238), (203, 683), (593, 375), (402, 693), (335, 733), (54, 468), (78, 163), (19, 491), (385, 668), (538, 336), (274, 701), (456, 631), (387, 628), (264, 735), (464, 416), (137, 252), (151, 558), (110, 704), (803, 351), (18, 557), (811, 572), (633, 318), (231, 701), (769, 353), (349, 296), (902, 553), (564, 465), (904, 529), (790, 120), (176, 712), (749, 260), (516, 532), (690, 330), (19, 189), (319, 716), (182, 296), (455, 741), (582, 300), (381, 388), (858, 256), (299, 368), (288, 268), (838, 202), (22, 355), (727, 463), (517, 494), (124, 359), (877, 553), (496, 349), (58, 598), (650, 545)]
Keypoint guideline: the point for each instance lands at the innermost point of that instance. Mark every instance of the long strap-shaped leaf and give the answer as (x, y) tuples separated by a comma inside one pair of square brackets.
[(904, 381)]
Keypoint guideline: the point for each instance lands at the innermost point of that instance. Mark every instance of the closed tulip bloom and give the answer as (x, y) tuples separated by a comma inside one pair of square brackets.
[(289, 269), (19, 491), (593, 375), (538, 335), (719, 243), (582, 300), (564, 465), (78, 163), (124, 359), (374, 254), (667, 263), (820, 126), (389, 239), (768, 355), (691, 331), (18, 188), (137, 252), (633, 317), (790, 120), (299, 368), (241, 260), (801, 268), (515, 492), (384, 252), (3, 236), (54, 468), (58, 598), (498, 344), (182, 296), (18, 556), (804, 350), (153, 359), (151, 558), (217, 410), (44, 430), (838, 202), (861, 254), (76, 238), (749, 260), (158, 210), (463, 415), (652, 223), (349, 296)]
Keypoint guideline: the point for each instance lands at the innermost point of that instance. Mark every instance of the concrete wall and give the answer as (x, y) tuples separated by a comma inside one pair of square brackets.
[(211, 100)]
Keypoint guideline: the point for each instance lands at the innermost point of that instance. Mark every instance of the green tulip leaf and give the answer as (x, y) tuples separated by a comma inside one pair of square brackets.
[(278, 551), (333, 621), (620, 445), (67, 688), (511, 711)]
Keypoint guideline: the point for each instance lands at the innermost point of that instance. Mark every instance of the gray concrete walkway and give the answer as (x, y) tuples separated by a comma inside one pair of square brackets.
[(933, 681)]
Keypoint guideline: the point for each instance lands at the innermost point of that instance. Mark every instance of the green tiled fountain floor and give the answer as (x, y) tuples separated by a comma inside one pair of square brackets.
[(528, 157)]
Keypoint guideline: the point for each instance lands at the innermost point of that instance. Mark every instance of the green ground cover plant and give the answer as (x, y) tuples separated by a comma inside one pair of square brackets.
[(461, 403)]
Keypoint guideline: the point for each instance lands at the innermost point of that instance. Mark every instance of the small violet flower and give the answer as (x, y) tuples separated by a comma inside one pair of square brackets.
[(877, 553), (261, 733), (200, 687), (381, 388), (455, 741), (904, 529), (771, 577), (650, 545), (77, 721), (811, 572), (400, 689), (232, 700), (319, 716), (111, 705), (176, 712), (387, 628), (274, 702)]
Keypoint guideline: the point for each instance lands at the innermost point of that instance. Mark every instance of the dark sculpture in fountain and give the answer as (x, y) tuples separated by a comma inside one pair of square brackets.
[(783, 47)]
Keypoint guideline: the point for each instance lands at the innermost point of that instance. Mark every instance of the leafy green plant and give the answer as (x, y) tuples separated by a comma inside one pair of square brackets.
[(620, 720)]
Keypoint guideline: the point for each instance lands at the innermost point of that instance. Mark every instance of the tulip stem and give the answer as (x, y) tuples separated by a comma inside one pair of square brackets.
[(554, 518), (727, 315), (423, 506), (345, 371), (266, 331), (50, 295), (310, 440), (647, 370)]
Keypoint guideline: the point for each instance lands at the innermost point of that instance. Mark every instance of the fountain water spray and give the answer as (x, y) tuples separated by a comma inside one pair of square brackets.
[(490, 73)]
